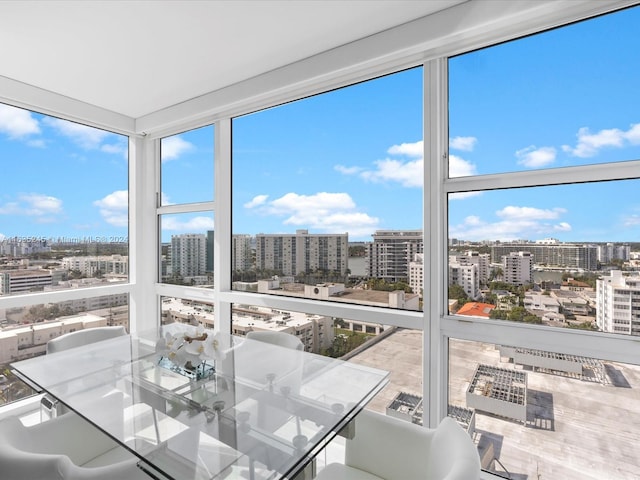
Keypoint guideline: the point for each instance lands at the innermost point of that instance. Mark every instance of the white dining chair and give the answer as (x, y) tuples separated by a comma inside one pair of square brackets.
[(387, 448), (49, 406), (277, 338), (63, 448), (83, 337)]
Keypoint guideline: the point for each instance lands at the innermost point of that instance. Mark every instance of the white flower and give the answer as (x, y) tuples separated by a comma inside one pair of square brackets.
[(213, 347)]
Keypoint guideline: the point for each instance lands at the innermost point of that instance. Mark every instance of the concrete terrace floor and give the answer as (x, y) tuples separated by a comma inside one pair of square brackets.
[(576, 428)]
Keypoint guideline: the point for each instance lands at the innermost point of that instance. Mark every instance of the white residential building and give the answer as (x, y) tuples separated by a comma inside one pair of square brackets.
[(25, 280), (30, 340), (391, 252), (105, 264), (465, 275), (618, 303), (189, 255), (517, 268), (241, 254), (544, 303), (302, 252), (416, 274), (613, 251), (481, 260)]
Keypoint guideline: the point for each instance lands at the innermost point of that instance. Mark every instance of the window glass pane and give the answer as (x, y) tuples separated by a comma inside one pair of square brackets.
[(560, 98), (25, 331), (64, 203), (187, 249), (327, 194), (187, 167), (396, 350), (536, 414), (563, 256)]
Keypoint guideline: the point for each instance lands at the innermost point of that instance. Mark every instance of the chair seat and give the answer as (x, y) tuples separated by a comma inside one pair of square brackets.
[(337, 471)]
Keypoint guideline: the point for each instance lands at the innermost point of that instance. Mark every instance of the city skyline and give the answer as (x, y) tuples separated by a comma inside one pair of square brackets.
[(350, 161)]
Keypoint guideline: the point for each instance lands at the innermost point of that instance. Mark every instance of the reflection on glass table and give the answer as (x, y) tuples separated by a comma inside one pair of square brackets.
[(255, 410)]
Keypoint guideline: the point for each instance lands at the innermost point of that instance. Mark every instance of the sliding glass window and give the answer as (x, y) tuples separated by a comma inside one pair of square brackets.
[(327, 195), (543, 249), (64, 226)]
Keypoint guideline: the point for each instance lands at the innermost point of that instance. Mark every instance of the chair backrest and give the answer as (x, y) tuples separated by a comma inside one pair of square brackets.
[(452, 455), (389, 447), (277, 338), (397, 449), (83, 337), (58, 450)]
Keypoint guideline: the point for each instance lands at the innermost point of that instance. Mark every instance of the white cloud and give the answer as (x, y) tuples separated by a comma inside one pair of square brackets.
[(589, 144), (10, 208), (466, 144), (631, 220), (114, 208), (116, 148), (459, 167), (323, 211), (197, 224), (533, 157), (256, 201), (512, 213), (174, 147), (17, 123), (415, 149), (347, 170), (42, 207), (407, 174), (633, 134), (38, 204), (514, 222), (562, 227), (86, 137), (164, 199)]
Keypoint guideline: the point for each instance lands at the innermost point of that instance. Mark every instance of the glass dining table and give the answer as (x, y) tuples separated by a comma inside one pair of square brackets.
[(194, 404)]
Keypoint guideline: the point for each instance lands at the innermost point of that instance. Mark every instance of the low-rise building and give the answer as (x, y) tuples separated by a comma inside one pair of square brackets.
[(30, 340), (541, 302)]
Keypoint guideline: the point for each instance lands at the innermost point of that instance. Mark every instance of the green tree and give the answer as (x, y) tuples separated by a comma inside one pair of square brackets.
[(456, 292)]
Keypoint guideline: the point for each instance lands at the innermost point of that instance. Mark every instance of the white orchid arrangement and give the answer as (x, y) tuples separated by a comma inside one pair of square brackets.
[(190, 348)]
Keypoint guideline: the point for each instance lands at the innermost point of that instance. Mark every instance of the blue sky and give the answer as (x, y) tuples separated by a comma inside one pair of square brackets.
[(60, 179), (351, 160)]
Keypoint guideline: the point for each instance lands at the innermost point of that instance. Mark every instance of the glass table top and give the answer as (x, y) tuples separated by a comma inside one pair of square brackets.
[(253, 409)]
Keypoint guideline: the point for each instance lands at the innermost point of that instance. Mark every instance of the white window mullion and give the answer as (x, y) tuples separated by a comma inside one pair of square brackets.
[(435, 135), (222, 242), (143, 233)]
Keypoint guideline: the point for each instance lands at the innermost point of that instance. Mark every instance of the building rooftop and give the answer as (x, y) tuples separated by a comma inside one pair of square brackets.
[(476, 309)]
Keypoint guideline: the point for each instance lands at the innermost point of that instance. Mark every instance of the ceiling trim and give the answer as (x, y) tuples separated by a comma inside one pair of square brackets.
[(460, 28), (43, 101)]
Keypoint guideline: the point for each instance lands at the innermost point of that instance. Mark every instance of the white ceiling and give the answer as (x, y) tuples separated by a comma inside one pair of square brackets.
[(137, 57)]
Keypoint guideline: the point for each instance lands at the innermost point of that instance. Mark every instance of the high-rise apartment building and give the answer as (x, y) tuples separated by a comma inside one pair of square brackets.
[(302, 252), (553, 254), (188, 254), (241, 255), (613, 251), (210, 243), (517, 268), (618, 303), (391, 252)]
